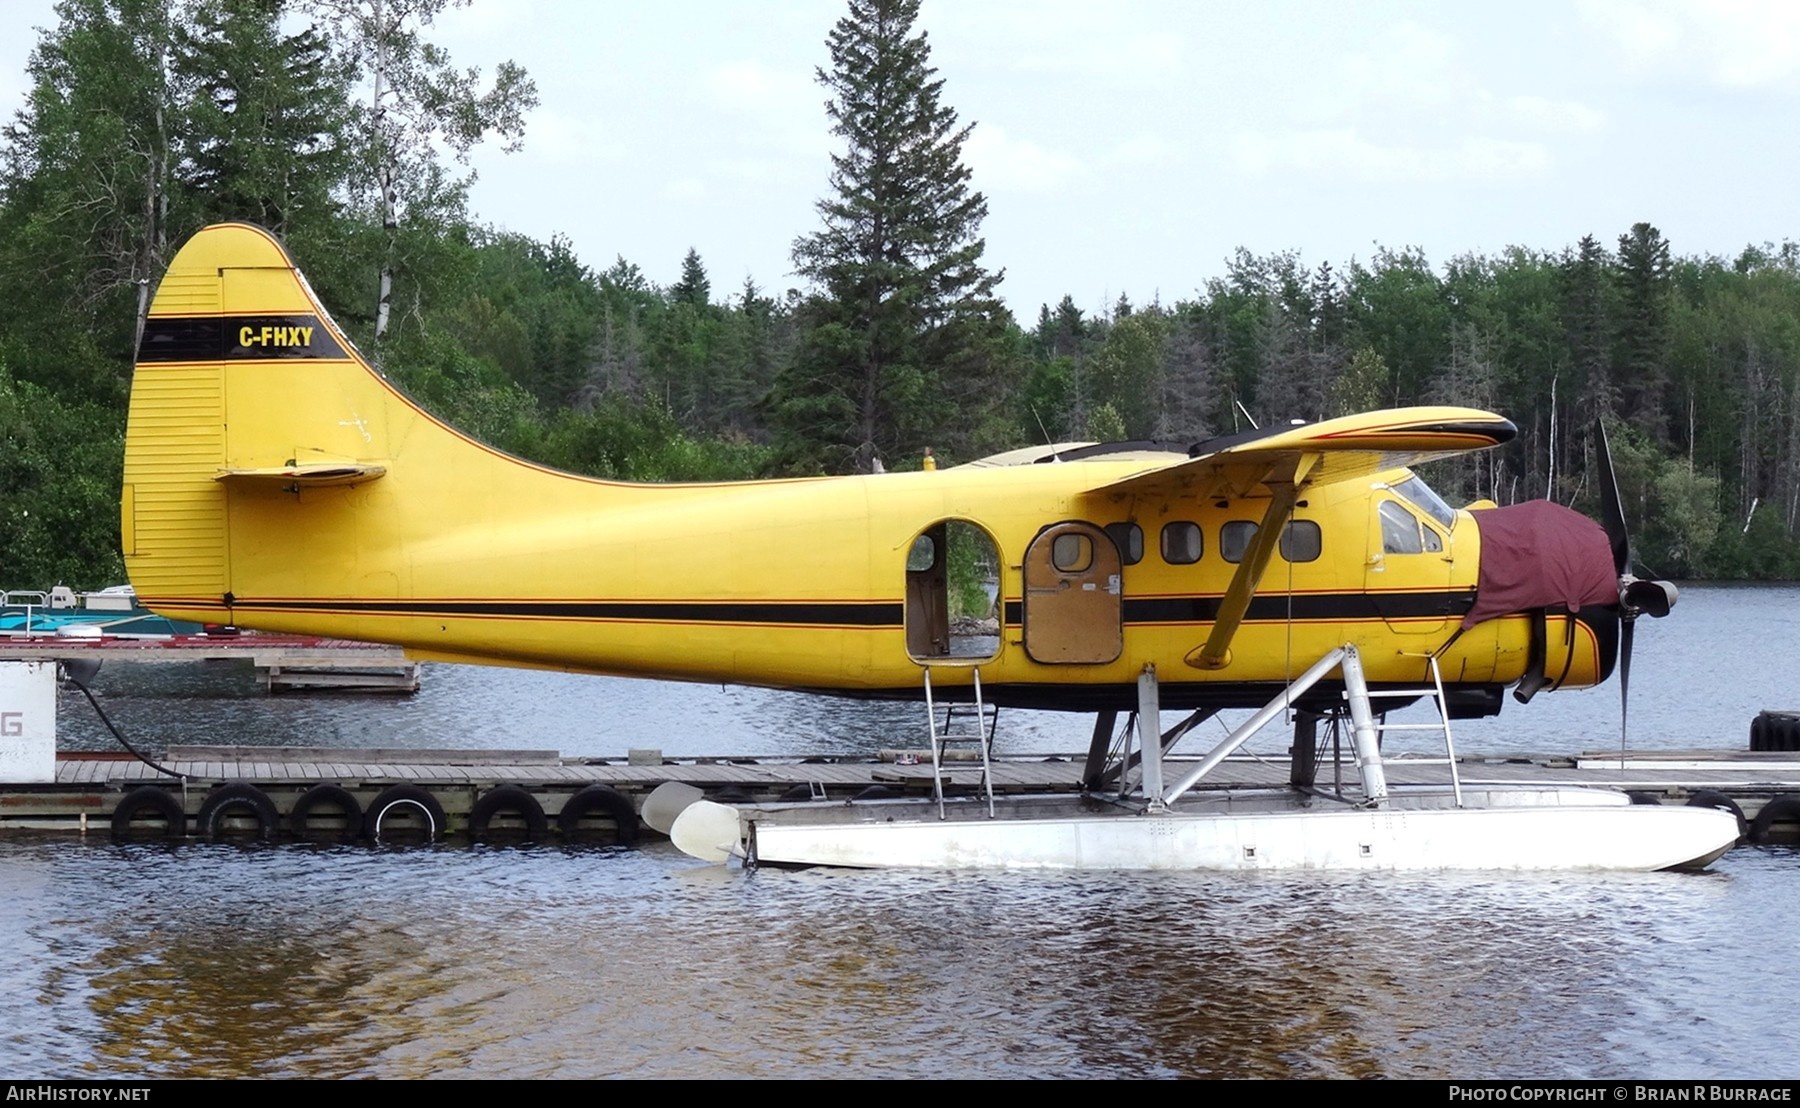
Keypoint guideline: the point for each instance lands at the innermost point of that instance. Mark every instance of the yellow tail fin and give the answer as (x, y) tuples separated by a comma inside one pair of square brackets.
[(227, 376), (273, 479), (257, 442)]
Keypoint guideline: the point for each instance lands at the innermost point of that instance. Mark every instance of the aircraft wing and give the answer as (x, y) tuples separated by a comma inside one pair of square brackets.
[(1285, 461), (1313, 454)]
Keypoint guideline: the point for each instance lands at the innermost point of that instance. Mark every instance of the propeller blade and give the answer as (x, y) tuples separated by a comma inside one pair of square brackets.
[(666, 802), (708, 831), (1612, 510)]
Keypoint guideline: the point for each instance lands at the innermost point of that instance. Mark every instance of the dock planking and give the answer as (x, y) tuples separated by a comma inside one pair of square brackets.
[(90, 787)]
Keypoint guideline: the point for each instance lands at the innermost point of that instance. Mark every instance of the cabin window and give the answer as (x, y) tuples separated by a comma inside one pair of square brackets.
[(922, 555), (1399, 530), (1181, 544), (1301, 541), (1072, 553), (1427, 501), (1234, 539), (1129, 538)]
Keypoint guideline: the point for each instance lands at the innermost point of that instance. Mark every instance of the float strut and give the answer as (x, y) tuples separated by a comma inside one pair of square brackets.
[(1261, 719), (1149, 729), (1364, 735)]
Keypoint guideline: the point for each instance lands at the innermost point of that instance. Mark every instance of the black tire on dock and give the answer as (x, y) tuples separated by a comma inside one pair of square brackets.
[(238, 797), (149, 800), (508, 798), (408, 802), (1640, 796), (328, 796), (1784, 809), (602, 801), (1778, 731), (1708, 798)]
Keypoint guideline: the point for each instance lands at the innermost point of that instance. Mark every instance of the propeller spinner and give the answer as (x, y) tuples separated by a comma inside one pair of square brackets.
[(1636, 596)]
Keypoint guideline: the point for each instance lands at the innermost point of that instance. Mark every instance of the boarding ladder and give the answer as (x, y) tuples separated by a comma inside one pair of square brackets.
[(951, 734), (1434, 693)]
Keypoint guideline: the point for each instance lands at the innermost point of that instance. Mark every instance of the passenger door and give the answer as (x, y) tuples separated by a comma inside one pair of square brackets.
[(1074, 610)]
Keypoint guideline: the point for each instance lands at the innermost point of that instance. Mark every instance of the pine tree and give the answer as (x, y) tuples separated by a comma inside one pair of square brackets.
[(693, 288), (1645, 283), (904, 336), (269, 111), (85, 196), (1586, 309)]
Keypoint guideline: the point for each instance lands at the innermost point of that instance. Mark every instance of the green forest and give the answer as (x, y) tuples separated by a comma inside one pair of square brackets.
[(341, 127)]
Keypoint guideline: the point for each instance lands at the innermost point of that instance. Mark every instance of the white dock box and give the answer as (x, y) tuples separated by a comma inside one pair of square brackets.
[(27, 723)]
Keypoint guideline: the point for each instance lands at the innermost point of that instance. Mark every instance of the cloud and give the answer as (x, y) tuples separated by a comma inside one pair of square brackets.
[(1407, 67), (778, 111), (1132, 58), (1141, 149), (479, 22), (1411, 105), (1119, 42), (749, 86), (1536, 113), (1343, 151), (1001, 162), (760, 170), (1740, 44), (562, 139)]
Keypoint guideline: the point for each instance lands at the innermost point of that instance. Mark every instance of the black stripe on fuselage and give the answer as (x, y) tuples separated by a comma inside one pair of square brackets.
[(1311, 607), (1323, 607), (235, 338), (852, 614)]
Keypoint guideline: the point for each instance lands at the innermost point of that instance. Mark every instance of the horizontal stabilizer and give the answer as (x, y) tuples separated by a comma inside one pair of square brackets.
[(313, 474)]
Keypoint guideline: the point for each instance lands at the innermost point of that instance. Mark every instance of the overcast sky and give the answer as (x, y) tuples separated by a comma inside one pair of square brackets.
[(1133, 145)]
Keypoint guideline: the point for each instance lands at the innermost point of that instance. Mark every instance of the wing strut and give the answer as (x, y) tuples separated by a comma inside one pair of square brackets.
[(1283, 494)]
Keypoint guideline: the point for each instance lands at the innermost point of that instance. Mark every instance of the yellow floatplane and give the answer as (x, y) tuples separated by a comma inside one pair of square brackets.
[(274, 480)]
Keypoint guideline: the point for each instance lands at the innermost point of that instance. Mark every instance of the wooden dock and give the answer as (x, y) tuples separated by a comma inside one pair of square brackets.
[(287, 662), (525, 792)]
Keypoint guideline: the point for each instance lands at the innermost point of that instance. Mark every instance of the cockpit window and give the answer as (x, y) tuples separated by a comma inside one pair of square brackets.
[(1399, 530), (1428, 501)]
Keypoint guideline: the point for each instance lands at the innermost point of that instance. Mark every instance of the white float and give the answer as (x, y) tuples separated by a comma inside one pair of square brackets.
[(1375, 827)]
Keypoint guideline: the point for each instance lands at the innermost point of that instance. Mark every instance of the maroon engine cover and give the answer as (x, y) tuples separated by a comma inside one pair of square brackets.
[(1540, 554)]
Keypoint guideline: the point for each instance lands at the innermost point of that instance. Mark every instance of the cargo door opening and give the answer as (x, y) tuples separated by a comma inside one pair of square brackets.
[(952, 593)]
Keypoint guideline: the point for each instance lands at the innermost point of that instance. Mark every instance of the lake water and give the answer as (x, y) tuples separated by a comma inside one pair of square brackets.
[(202, 960)]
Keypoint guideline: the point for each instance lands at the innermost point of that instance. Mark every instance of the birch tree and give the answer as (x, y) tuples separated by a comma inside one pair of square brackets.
[(419, 103)]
